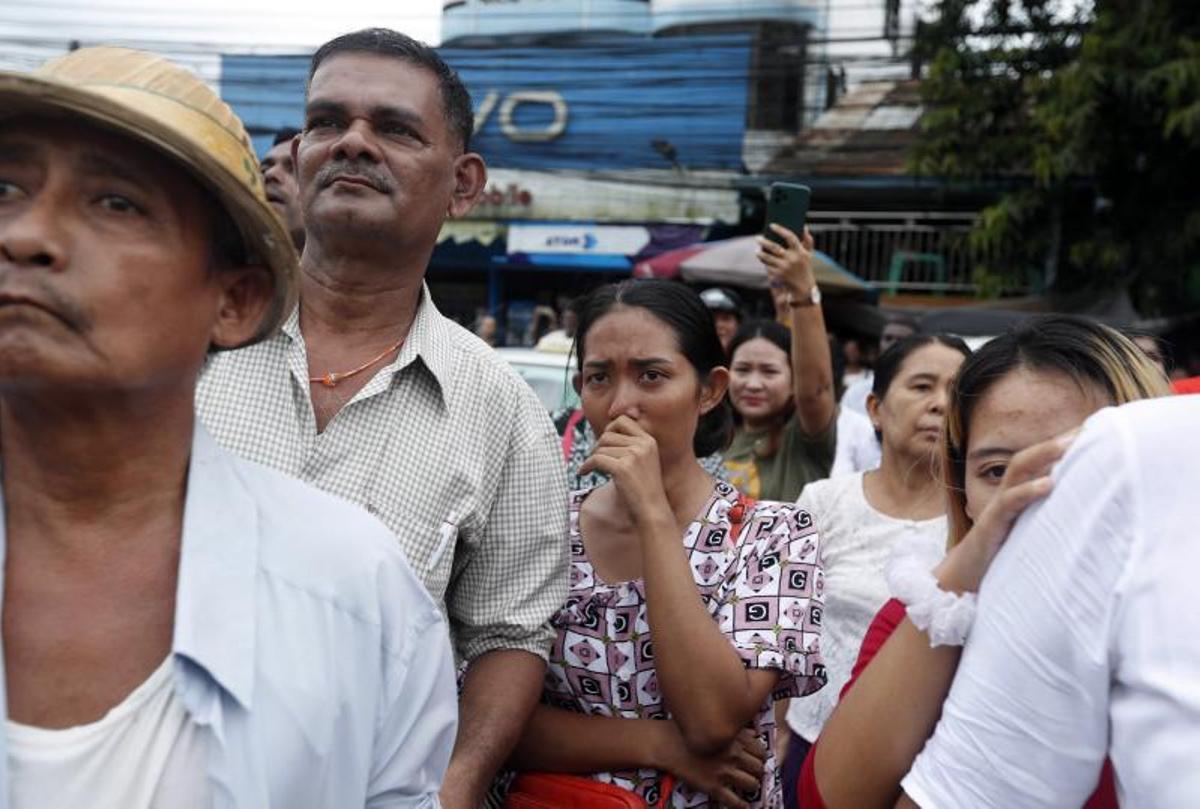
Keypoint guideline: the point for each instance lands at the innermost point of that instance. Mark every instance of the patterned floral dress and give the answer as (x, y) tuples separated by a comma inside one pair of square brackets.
[(763, 588)]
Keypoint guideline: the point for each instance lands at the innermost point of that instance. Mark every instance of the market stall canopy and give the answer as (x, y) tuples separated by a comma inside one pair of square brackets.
[(735, 262)]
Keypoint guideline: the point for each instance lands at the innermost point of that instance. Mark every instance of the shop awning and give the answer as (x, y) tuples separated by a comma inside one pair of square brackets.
[(735, 262)]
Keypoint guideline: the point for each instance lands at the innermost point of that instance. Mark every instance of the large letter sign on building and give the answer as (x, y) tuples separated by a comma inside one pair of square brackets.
[(604, 105), (548, 97), (622, 103)]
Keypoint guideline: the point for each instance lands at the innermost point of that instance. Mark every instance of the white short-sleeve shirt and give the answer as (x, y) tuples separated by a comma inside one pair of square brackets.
[(856, 544), (1087, 638), (858, 449), (855, 396)]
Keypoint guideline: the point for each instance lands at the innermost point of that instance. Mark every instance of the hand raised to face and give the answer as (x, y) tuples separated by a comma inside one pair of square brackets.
[(629, 455), (1026, 481)]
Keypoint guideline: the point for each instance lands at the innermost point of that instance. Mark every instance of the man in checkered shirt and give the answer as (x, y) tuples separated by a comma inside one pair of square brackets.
[(373, 395)]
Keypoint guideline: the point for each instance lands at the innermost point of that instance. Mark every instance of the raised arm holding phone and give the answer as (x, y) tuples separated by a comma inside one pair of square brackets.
[(781, 382)]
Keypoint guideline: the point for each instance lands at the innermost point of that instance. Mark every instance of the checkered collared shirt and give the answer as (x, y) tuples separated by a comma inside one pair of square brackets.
[(447, 445)]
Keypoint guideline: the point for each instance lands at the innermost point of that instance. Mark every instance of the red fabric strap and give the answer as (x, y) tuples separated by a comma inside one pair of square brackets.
[(568, 436)]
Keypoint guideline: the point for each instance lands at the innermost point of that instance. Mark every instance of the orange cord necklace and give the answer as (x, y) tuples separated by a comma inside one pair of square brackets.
[(333, 377)]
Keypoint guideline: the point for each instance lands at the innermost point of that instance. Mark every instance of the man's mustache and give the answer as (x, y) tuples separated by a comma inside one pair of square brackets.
[(353, 169), (45, 297)]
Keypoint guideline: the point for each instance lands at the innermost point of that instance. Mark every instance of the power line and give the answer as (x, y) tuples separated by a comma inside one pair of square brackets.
[(633, 13), (234, 77), (230, 47)]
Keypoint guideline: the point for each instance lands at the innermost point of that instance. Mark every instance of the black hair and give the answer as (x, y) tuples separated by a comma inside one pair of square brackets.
[(681, 309), (228, 245), (456, 101), (284, 134), (889, 363), (767, 329), (1080, 349)]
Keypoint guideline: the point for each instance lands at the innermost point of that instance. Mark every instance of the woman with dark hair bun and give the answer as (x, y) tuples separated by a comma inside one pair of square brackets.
[(690, 609), (865, 515), (1009, 419), (781, 384)]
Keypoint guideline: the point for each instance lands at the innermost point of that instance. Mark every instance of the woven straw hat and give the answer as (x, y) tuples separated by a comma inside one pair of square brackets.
[(156, 102)]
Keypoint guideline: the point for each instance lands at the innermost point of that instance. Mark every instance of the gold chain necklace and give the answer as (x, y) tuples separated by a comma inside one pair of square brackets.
[(331, 379)]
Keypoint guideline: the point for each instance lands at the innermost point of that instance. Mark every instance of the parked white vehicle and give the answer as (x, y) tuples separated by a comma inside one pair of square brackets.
[(547, 372)]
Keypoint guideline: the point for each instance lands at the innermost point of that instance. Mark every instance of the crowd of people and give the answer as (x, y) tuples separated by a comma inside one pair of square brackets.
[(276, 533)]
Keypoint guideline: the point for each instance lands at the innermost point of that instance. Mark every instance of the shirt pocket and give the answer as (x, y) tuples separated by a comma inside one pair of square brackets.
[(441, 559), (428, 542)]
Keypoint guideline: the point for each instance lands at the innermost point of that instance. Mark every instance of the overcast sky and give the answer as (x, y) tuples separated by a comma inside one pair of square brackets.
[(194, 31), (32, 31), (270, 24)]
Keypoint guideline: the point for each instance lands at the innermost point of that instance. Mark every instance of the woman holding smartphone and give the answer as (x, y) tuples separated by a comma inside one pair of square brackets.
[(781, 383)]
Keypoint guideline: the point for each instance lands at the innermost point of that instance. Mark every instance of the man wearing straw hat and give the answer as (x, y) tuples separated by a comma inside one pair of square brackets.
[(181, 628), (371, 394)]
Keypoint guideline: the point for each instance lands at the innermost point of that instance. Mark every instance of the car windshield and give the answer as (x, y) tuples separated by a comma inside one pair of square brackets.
[(552, 385)]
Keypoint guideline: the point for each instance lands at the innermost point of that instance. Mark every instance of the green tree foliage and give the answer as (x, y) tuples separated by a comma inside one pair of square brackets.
[(1090, 117)]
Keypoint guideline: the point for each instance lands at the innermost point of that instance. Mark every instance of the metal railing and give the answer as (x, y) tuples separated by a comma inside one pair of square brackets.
[(901, 251)]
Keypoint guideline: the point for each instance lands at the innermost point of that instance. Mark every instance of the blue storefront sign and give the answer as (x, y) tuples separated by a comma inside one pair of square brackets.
[(631, 102)]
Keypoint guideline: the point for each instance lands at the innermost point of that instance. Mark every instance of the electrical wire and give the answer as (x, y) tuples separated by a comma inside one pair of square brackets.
[(644, 10)]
